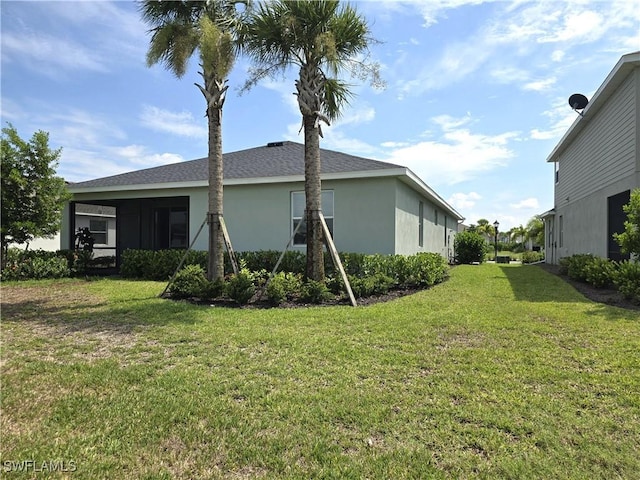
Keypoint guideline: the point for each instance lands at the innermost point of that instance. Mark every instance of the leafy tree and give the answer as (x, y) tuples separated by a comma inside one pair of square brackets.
[(321, 38), (32, 195), (469, 247), (629, 240), (179, 28)]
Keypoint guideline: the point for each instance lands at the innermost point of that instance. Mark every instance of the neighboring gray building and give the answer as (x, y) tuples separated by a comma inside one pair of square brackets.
[(370, 206), (597, 164)]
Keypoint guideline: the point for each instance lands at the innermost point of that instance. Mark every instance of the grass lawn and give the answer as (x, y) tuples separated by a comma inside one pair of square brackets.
[(503, 371)]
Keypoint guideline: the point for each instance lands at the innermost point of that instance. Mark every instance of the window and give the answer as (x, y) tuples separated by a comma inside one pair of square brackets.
[(557, 168), (420, 224), (561, 231), (445, 230), (171, 229), (98, 229), (297, 215)]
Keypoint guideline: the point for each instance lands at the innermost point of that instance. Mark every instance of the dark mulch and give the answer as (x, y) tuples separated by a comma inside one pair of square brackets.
[(607, 296), (338, 300)]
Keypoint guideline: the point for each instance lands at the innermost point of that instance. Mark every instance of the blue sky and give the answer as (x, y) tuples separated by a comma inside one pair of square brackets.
[(475, 99)]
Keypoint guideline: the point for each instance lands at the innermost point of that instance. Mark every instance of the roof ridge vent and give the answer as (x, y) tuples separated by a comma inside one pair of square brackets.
[(275, 144)]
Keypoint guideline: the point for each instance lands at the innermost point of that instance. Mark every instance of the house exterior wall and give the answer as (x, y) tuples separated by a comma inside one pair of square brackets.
[(584, 223), (605, 151), (602, 161), (371, 215), (439, 229), (259, 217)]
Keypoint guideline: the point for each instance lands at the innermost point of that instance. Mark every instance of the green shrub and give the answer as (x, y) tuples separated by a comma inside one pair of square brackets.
[(564, 265), (314, 292), (33, 265), (627, 279), (335, 284), (577, 266), (599, 272), (240, 287), (283, 286), (531, 256), (158, 265), (293, 261), (470, 247), (190, 282), (133, 262), (377, 284), (427, 269)]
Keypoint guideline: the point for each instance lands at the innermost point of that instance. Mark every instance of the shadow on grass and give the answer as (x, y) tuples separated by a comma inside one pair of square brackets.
[(79, 311), (533, 284)]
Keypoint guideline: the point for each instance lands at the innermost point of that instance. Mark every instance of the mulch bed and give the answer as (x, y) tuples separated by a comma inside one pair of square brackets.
[(607, 296)]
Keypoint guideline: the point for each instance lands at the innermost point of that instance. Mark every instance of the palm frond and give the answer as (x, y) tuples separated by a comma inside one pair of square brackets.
[(337, 95)]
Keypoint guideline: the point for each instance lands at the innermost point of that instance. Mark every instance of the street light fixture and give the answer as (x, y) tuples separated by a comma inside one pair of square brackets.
[(496, 224)]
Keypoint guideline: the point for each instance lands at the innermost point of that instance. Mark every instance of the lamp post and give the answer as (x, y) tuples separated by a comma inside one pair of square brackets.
[(496, 224)]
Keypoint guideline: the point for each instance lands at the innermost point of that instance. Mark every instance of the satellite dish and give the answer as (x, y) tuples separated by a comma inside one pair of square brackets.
[(577, 101)]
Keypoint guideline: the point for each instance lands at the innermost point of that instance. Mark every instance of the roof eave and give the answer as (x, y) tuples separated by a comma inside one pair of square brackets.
[(414, 180), (619, 73), (387, 172)]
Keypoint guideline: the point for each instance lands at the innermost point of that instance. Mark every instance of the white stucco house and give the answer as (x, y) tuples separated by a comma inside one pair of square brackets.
[(370, 206), (597, 164)]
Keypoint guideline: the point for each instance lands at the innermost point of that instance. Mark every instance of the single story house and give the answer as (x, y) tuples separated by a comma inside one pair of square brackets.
[(370, 206), (597, 164)]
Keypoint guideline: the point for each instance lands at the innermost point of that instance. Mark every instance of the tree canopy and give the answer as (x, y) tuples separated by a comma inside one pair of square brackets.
[(32, 195), (629, 240)]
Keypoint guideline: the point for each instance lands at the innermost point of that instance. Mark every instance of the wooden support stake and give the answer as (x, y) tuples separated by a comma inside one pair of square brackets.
[(275, 269), (336, 259), (227, 242), (184, 257)]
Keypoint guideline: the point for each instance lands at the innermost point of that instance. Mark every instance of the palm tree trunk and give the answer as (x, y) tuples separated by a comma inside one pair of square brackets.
[(216, 238), (313, 195), (310, 92)]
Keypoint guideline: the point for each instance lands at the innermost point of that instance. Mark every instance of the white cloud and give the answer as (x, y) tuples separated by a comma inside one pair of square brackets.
[(527, 204), (574, 27), (139, 155), (463, 201), (79, 128), (530, 34), (356, 115), (176, 123), (116, 36), (560, 119), (540, 85), (458, 155), (43, 54)]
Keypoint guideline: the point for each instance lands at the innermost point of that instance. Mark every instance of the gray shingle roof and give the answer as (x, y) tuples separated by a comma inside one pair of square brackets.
[(277, 159)]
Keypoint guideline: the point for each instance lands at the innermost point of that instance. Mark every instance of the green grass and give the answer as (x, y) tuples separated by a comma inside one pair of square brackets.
[(503, 371)]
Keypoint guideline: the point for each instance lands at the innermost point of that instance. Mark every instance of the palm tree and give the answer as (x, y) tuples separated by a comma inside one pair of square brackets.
[(179, 28), (321, 38), (535, 230), (485, 229)]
